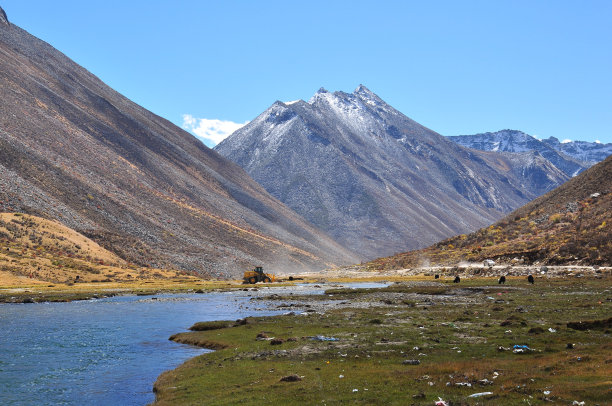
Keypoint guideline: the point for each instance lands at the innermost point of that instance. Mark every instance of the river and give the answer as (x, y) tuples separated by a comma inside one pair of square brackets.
[(108, 351)]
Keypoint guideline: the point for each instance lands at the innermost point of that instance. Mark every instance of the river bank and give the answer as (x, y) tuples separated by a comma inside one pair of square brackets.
[(109, 350), (410, 343)]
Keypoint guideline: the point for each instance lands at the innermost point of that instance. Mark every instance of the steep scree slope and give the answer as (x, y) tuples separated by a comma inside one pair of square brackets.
[(74, 150)]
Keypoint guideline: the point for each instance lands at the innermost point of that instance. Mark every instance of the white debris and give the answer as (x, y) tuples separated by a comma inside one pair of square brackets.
[(477, 395), (440, 402)]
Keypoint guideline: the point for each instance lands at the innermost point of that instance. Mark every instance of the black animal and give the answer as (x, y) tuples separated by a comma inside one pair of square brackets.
[(530, 279), (437, 276), (502, 280), (457, 279)]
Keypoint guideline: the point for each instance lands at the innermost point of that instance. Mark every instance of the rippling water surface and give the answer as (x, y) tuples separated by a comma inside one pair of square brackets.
[(107, 351)]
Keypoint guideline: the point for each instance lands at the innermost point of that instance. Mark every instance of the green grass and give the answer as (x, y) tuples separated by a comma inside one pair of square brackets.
[(460, 333)]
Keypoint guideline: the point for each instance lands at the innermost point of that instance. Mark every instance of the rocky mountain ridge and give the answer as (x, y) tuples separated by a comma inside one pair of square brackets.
[(3, 17), (570, 157), (591, 152), (76, 151), (375, 180)]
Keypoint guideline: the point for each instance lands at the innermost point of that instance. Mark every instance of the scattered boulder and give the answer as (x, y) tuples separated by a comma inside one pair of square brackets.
[(411, 362), (291, 378), (536, 330), (590, 325), (276, 341)]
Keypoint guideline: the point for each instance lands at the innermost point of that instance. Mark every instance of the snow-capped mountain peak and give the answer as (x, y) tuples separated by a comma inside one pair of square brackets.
[(374, 179)]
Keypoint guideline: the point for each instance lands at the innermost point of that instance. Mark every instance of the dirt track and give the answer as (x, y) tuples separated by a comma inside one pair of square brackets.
[(463, 270)]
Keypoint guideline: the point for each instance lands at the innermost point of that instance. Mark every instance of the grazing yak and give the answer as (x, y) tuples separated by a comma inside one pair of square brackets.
[(457, 279), (530, 279), (502, 280)]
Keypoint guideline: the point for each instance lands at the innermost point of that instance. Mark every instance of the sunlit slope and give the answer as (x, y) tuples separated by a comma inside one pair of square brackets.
[(34, 250), (569, 225)]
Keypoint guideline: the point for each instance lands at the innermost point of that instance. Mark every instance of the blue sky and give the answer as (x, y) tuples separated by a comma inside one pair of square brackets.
[(457, 67)]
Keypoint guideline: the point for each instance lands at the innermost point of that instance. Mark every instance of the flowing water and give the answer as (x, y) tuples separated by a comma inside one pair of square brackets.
[(107, 351)]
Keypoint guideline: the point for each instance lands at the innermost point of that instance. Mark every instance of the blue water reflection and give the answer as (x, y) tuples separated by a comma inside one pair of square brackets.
[(108, 351)]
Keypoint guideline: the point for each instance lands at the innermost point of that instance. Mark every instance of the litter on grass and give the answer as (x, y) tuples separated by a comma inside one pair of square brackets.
[(323, 338), (477, 395), (440, 402)]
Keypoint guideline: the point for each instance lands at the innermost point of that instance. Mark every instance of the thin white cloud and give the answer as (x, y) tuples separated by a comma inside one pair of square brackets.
[(566, 141), (212, 130)]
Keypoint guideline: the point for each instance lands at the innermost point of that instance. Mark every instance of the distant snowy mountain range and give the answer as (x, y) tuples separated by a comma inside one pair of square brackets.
[(570, 157)]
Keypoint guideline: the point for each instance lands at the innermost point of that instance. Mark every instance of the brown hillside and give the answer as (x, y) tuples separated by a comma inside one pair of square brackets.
[(74, 150), (36, 251), (570, 225)]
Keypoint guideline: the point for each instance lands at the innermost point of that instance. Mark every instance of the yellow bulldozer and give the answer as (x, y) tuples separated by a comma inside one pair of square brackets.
[(257, 275)]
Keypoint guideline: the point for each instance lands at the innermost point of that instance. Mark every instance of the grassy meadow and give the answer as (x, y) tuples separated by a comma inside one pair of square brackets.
[(409, 343)]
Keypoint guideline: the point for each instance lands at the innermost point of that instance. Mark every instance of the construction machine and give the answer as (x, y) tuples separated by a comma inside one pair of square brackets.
[(257, 275)]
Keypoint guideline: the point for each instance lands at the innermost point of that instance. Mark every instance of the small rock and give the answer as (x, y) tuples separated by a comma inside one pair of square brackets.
[(291, 378), (277, 341), (411, 362)]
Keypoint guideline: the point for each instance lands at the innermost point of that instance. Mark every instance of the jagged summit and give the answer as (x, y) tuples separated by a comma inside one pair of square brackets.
[(365, 92), (3, 17)]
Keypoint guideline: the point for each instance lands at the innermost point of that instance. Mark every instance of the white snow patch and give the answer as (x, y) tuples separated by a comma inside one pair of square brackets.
[(566, 141), (597, 142), (291, 102)]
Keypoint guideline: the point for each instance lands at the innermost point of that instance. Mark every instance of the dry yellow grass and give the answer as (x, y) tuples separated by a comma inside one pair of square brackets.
[(36, 252)]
